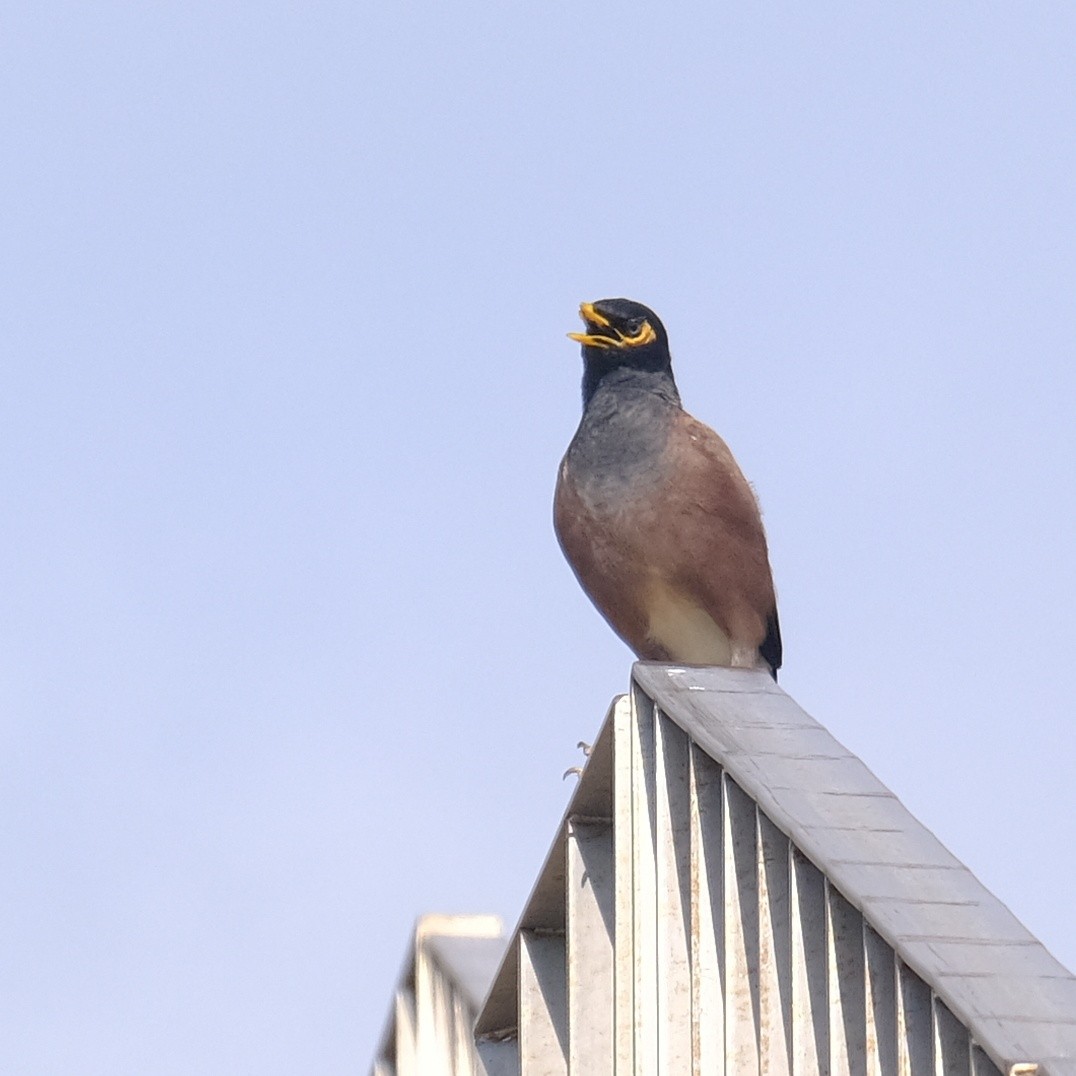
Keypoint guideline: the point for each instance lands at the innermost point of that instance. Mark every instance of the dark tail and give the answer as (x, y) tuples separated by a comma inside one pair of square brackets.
[(771, 645)]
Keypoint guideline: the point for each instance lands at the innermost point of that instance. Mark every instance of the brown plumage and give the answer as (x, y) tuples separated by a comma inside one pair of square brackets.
[(652, 512)]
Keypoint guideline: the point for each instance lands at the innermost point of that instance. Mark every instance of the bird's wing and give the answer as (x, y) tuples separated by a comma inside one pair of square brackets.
[(720, 545)]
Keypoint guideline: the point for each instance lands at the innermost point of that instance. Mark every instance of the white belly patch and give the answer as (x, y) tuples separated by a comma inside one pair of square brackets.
[(685, 629)]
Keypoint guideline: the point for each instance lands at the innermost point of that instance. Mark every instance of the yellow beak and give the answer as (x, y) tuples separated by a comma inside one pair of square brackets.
[(645, 334), (591, 317)]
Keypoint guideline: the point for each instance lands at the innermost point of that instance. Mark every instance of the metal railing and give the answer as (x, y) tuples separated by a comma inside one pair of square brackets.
[(731, 891)]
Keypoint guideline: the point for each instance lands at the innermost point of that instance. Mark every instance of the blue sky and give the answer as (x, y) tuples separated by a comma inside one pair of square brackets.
[(288, 652)]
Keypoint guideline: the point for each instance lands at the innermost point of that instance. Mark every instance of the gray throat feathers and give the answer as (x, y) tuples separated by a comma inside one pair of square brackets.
[(621, 439)]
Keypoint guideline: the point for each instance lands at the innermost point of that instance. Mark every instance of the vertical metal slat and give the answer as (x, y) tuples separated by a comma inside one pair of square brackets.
[(740, 879), (644, 895), (847, 996), (463, 1049), (915, 1029), (624, 880), (543, 1005), (406, 1032), (590, 896), (981, 1065), (707, 917), (498, 1058), (810, 1008), (432, 1019), (775, 949), (673, 861), (952, 1045), (881, 987)]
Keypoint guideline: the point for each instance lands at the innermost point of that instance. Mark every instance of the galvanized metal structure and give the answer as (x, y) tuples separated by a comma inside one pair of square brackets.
[(447, 973), (731, 891)]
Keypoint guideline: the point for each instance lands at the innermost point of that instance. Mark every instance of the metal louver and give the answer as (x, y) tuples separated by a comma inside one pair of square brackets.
[(731, 891)]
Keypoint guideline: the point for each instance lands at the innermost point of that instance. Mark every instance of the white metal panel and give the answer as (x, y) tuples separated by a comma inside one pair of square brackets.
[(624, 898), (543, 1005), (981, 1065), (406, 1035), (847, 1003), (810, 1006), (775, 950), (707, 916), (464, 1058), (673, 926), (741, 931), (498, 1057), (590, 896), (915, 1027), (952, 1048), (644, 892), (435, 1048), (881, 989)]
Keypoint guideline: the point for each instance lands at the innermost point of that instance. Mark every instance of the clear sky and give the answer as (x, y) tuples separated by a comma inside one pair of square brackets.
[(288, 653)]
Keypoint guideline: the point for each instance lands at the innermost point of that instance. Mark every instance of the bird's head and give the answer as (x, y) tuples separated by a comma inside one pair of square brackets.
[(621, 335)]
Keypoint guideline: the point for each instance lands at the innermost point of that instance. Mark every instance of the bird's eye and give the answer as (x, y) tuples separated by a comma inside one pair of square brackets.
[(635, 327)]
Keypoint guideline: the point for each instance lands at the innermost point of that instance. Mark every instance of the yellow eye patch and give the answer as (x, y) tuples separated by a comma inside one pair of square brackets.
[(644, 335)]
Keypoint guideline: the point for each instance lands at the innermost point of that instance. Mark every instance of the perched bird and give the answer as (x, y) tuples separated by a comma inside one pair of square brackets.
[(654, 516)]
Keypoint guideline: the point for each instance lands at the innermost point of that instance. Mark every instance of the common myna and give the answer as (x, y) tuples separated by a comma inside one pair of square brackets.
[(655, 517)]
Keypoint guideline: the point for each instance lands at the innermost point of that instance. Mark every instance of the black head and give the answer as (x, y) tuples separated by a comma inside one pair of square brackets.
[(622, 335), (631, 334)]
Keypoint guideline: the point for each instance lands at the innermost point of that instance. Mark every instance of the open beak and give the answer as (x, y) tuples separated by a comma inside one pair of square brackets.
[(593, 320)]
